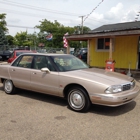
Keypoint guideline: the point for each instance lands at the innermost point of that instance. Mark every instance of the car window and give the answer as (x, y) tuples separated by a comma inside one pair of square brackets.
[(16, 61), (84, 51), (68, 63), (42, 62), (80, 51), (25, 62)]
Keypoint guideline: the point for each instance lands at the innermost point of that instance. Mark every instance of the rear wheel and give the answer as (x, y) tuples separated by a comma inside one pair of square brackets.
[(9, 88), (78, 99)]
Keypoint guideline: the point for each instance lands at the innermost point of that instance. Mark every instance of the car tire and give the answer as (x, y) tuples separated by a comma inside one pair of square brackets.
[(78, 99), (9, 87)]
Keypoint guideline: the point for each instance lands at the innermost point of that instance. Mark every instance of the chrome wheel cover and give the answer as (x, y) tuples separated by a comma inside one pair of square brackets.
[(77, 100), (8, 86)]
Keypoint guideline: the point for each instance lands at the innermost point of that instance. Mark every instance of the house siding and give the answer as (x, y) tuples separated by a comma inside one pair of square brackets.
[(125, 51)]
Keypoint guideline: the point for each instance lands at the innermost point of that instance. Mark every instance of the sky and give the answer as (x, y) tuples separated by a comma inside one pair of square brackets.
[(24, 15)]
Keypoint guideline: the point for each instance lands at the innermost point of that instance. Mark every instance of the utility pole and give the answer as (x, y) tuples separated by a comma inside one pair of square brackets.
[(82, 24), (82, 29)]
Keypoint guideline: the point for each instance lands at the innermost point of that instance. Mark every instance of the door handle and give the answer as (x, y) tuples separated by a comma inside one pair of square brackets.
[(13, 69), (34, 72)]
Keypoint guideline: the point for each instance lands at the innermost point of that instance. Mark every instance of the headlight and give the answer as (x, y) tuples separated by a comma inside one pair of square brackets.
[(114, 89), (133, 84)]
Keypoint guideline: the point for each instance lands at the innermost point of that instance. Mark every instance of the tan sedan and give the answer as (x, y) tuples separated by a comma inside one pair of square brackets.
[(67, 76)]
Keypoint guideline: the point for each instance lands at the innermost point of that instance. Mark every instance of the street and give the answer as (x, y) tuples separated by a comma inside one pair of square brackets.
[(33, 116)]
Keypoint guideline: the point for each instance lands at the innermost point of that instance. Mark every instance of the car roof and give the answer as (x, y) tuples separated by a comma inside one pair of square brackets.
[(22, 50), (83, 48), (45, 54)]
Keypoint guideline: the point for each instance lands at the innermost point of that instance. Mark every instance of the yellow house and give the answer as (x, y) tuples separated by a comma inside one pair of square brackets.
[(119, 42)]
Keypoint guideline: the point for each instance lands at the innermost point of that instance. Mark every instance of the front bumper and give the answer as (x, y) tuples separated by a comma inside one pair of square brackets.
[(115, 99)]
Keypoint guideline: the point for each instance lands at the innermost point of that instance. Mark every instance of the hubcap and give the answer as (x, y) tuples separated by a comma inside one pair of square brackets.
[(77, 99), (8, 86)]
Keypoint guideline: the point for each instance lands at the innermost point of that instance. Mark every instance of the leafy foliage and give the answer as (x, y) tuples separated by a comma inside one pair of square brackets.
[(10, 39), (46, 27), (21, 39), (56, 29), (3, 40), (3, 23)]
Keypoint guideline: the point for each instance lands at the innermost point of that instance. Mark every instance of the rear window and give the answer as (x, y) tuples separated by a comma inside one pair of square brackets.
[(79, 51)]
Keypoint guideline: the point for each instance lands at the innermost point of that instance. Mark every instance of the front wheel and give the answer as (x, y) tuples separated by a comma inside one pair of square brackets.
[(78, 99), (9, 88)]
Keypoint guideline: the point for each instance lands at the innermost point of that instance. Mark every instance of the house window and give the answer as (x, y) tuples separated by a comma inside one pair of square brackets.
[(103, 43)]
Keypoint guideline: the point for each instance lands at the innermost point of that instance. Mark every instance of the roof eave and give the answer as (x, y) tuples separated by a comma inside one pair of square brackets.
[(102, 34)]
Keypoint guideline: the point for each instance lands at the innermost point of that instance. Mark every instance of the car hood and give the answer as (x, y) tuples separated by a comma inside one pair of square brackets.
[(100, 75)]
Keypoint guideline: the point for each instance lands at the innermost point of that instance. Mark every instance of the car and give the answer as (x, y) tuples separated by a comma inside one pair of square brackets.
[(66, 76), (81, 53), (4, 55), (17, 53)]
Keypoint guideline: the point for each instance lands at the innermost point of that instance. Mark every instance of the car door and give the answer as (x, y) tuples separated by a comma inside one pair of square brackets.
[(45, 82), (20, 72)]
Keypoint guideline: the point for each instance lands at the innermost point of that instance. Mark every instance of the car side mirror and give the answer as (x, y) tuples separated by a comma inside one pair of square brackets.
[(45, 70)]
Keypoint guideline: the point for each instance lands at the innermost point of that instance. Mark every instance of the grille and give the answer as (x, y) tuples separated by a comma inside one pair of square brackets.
[(126, 87)]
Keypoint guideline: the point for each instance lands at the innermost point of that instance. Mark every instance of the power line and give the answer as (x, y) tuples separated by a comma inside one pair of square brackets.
[(37, 15), (21, 26), (88, 15), (28, 14), (93, 10), (37, 8)]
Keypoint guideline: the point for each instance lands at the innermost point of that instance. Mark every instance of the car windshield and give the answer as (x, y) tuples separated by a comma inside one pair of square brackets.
[(69, 63)]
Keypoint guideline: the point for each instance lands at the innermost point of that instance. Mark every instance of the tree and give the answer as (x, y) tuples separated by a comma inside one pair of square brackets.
[(3, 30), (3, 40), (21, 39), (56, 29), (78, 29), (32, 40), (3, 23), (10, 39)]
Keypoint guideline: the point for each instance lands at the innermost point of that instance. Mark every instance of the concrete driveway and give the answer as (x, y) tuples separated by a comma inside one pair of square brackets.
[(33, 116)]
